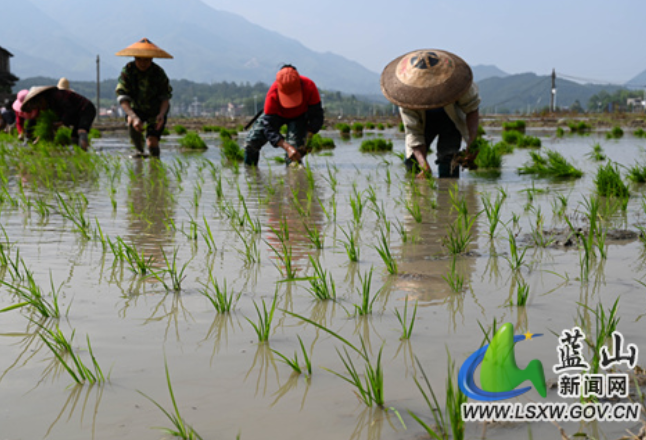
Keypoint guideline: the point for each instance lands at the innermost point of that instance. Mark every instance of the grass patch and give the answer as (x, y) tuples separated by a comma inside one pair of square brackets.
[(553, 164)]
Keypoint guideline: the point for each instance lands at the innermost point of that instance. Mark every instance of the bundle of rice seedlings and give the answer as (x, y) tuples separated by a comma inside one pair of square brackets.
[(615, 133), (44, 129), (370, 126), (211, 128), (376, 145), (401, 127), (504, 148), (179, 129), (579, 127), (488, 157), (560, 132), (232, 151), (597, 153), (518, 125), (637, 173), (193, 141), (380, 126), (318, 143), (63, 136), (553, 164), (609, 183), (529, 142), (512, 136), (94, 133), (481, 131), (357, 127), (639, 133), (228, 134), (343, 128)]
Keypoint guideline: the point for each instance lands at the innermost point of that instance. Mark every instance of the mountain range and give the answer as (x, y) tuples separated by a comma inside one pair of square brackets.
[(54, 38)]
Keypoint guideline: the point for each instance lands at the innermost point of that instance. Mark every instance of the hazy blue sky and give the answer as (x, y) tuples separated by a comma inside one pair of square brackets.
[(592, 39)]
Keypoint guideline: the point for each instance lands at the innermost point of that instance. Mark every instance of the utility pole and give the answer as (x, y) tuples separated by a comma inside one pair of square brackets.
[(553, 96), (98, 88)]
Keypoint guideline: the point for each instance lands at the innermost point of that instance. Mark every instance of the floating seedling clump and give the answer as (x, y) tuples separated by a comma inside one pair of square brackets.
[(616, 133), (488, 156), (232, 151), (63, 136), (637, 173), (193, 141), (512, 136), (553, 164), (529, 142), (378, 145), (343, 128), (180, 129), (44, 129), (580, 127)]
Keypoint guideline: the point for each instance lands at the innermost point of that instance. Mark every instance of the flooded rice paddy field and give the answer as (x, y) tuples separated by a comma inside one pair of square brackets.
[(239, 226)]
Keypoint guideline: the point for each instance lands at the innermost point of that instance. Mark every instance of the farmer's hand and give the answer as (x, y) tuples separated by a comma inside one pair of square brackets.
[(292, 153), (136, 123)]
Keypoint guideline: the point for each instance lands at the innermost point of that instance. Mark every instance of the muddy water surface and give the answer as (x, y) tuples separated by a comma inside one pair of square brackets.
[(224, 381)]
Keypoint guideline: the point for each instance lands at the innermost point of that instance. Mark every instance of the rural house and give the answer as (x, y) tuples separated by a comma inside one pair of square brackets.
[(7, 79)]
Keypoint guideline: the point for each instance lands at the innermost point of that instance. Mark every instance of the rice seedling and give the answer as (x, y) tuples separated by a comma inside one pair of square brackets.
[(384, 252), (459, 234), (350, 244), (222, 300), (61, 347), (75, 212), (407, 326), (94, 133), (294, 363), (453, 278), (492, 210), (370, 390), (554, 165), (597, 154), (63, 136), (560, 132), (172, 269), (231, 150), (606, 322), (377, 145), (365, 306), (516, 257), (637, 173), (208, 236), (251, 254), (414, 209), (608, 182), (640, 133), (331, 176), (32, 295), (137, 262), (314, 235), (356, 203), (181, 429), (322, 285), (180, 129), (538, 235), (403, 233), (263, 327), (443, 429), (44, 129), (522, 294), (284, 255), (357, 127), (616, 133)]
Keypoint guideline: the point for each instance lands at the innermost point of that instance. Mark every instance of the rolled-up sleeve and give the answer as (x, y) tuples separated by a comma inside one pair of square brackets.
[(469, 101), (414, 121)]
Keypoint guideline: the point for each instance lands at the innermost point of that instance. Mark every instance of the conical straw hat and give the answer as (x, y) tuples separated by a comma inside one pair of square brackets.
[(143, 48), (33, 93), (425, 79)]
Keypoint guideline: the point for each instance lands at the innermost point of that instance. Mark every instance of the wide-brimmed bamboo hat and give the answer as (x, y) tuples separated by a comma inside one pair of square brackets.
[(426, 79), (28, 103), (143, 48)]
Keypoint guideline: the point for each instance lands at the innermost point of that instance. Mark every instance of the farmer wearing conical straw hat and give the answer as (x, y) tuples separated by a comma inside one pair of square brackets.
[(437, 97), (144, 93)]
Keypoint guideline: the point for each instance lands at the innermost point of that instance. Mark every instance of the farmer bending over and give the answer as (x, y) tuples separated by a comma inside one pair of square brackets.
[(292, 100), (437, 97)]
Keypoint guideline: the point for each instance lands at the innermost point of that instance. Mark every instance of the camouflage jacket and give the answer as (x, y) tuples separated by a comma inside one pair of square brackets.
[(145, 90)]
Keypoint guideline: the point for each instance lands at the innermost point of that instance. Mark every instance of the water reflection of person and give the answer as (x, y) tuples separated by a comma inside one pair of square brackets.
[(151, 206), (294, 206), (425, 262)]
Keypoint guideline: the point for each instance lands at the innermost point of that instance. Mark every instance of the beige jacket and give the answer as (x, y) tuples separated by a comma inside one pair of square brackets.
[(415, 120)]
